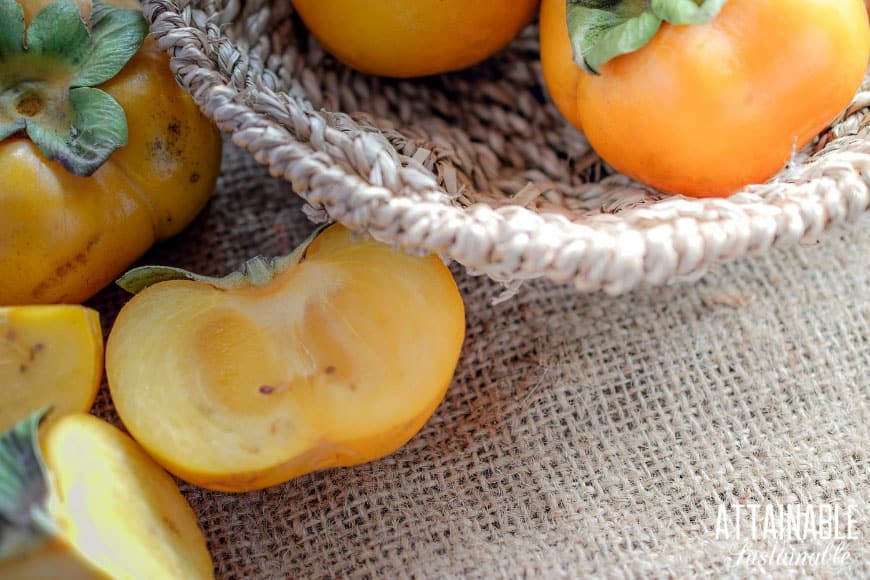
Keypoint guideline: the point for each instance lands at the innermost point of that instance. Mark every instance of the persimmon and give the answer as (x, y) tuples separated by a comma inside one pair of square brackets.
[(702, 98), (333, 356), (80, 500), (414, 37), (50, 356), (102, 153)]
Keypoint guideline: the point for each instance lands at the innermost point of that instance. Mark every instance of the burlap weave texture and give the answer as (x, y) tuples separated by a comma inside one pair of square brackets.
[(583, 434)]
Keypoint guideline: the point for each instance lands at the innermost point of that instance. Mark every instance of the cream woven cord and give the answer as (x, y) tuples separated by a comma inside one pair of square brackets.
[(349, 144)]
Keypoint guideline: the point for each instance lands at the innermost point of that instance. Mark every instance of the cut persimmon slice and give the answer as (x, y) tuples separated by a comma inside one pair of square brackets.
[(79, 499), (50, 356), (333, 356)]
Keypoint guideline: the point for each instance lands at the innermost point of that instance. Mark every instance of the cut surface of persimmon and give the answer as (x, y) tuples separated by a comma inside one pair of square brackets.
[(49, 356), (80, 499), (333, 356)]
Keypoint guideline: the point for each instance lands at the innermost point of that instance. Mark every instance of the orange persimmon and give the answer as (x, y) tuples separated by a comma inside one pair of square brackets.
[(415, 37), (702, 98)]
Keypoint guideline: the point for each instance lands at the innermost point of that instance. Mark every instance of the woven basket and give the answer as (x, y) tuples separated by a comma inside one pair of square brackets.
[(478, 165)]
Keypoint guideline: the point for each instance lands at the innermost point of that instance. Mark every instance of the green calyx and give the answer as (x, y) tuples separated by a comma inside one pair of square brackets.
[(24, 521), (257, 271), (601, 30), (48, 73)]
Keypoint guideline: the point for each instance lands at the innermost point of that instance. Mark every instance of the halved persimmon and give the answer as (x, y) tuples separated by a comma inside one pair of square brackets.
[(333, 356), (79, 500), (49, 356)]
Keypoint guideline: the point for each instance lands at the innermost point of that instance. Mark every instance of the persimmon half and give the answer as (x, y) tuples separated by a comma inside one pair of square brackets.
[(50, 356), (333, 356), (79, 500)]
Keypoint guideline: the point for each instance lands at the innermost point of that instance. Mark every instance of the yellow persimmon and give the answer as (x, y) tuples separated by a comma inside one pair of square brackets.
[(101, 152), (415, 37), (49, 356), (333, 356), (80, 500), (702, 98)]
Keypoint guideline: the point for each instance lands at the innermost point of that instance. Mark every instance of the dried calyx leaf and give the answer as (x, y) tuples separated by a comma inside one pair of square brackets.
[(24, 521), (47, 75), (257, 271), (601, 30)]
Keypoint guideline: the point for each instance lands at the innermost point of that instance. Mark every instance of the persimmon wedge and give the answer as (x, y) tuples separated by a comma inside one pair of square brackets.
[(49, 356), (333, 356), (80, 500)]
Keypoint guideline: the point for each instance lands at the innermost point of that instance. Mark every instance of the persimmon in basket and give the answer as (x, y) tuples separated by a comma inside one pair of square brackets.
[(702, 98), (414, 37)]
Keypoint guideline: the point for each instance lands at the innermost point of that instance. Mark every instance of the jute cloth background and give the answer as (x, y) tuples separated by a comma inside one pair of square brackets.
[(583, 434)]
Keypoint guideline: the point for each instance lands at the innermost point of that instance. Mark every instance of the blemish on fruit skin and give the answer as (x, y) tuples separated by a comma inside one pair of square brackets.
[(171, 525), (66, 269), (266, 389), (329, 369)]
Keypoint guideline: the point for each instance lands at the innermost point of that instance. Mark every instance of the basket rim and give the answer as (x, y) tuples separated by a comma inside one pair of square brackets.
[(677, 241)]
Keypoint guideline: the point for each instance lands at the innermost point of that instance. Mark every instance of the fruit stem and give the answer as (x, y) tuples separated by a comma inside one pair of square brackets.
[(601, 30), (259, 271)]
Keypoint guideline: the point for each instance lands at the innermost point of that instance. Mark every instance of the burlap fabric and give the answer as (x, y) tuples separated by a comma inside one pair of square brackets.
[(584, 434)]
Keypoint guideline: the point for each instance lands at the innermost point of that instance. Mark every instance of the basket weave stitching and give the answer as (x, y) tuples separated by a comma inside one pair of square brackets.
[(478, 167)]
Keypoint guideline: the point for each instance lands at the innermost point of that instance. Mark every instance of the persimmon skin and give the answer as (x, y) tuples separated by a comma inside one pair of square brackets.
[(561, 73), (704, 110), (64, 237), (414, 37)]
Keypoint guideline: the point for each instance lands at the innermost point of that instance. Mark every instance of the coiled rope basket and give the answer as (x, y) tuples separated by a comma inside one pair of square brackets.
[(479, 166)]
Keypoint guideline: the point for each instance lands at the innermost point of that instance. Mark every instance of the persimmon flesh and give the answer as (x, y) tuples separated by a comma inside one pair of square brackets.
[(91, 504), (335, 356), (49, 356)]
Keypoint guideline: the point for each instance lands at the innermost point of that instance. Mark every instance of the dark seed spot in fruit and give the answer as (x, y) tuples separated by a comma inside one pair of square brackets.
[(174, 129), (194, 177), (22, 368), (329, 370), (266, 389), (36, 349)]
